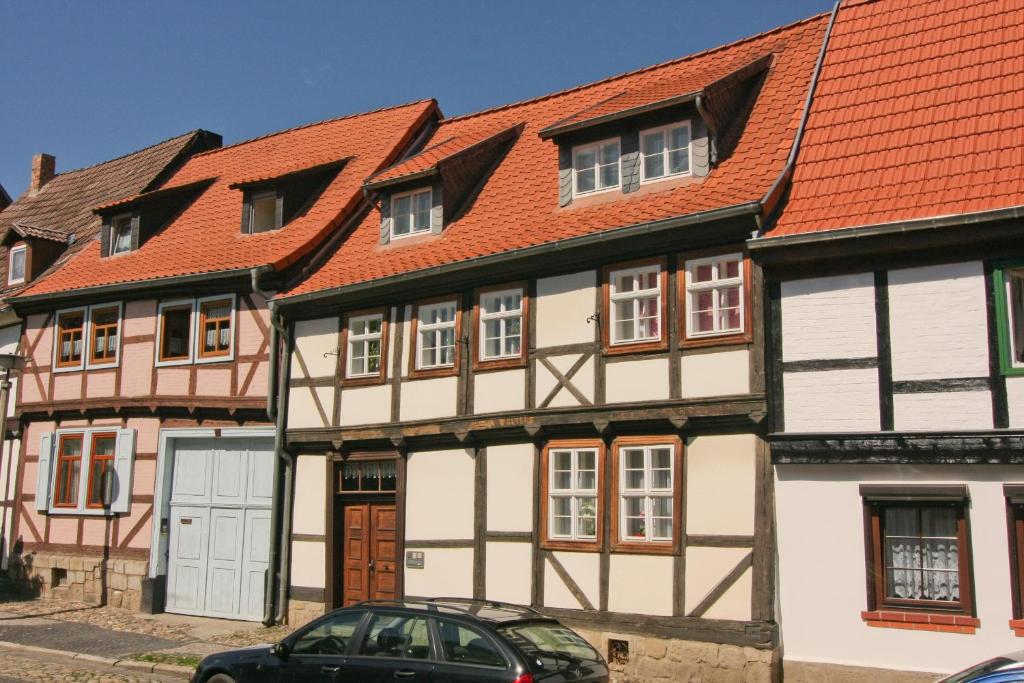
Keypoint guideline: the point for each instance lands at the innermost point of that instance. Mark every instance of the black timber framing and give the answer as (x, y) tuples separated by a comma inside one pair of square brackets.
[(883, 343), (998, 447)]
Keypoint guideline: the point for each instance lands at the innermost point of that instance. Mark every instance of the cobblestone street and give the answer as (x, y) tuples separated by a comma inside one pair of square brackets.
[(41, 668)]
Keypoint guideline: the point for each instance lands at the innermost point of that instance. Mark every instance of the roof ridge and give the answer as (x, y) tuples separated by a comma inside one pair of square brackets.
[(194, 131), (626, 74), (316, 123)]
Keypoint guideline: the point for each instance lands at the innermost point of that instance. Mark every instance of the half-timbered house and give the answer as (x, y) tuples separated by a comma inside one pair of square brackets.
[(149, 470), (533, 372), (896, 299)]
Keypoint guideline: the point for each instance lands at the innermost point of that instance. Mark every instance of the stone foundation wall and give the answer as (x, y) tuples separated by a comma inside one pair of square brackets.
[(815, 672), (683, 661), (80, 578), (302, 612)]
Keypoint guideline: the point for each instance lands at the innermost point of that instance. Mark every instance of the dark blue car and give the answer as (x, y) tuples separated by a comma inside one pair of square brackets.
[(996, 670)]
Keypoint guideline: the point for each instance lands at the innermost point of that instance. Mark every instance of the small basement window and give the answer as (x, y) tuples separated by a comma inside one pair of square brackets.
[(16, 265), (120, 234), (263, 212)]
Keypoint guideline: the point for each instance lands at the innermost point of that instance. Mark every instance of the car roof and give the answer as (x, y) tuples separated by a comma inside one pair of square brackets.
[(489, 611)]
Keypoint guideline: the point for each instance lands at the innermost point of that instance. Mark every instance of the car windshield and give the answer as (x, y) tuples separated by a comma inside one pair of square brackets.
[(985, 667), (550, 645)]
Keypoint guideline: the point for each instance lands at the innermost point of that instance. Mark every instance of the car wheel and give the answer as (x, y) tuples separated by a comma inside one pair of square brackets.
[(220, 678)]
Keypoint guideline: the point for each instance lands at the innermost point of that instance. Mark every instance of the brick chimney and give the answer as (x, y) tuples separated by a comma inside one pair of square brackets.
[(44, 167)]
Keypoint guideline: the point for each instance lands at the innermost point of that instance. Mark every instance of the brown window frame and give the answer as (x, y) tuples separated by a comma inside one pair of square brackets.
[(875, 503), (548, 543), (1015, 536), (162, 314), (200, 340), (673, 547), (371, 458), (62, 331), (385, 330), (93, 459), (647, 346), (58, 483), (746, 336), (95, 329), (414, 348), (481, 364)]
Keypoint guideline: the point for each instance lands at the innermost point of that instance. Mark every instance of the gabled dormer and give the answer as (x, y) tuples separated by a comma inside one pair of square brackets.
[(271, 202), (128, 223), (30, 251), (670, 129), (423, 193)]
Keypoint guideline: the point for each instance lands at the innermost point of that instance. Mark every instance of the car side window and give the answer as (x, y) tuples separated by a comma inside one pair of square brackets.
[(394, 635), (465, 645), (329, 637)]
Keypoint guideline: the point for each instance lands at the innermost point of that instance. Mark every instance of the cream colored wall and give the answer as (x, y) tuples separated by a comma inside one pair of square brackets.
[(424, 399), (308, 564), (406, 345), (302, 409), (499, 391), (705, 569), (313, 339), (446, 571), (310, 511), (563, 304), (640, 584), (366, 405), (1015, 401), (510, 487), (429, 515), (720, 477), (715, 374), (583, 380), (942, 411), (509, 572), (584, 568), (639, 380), (831, 401)]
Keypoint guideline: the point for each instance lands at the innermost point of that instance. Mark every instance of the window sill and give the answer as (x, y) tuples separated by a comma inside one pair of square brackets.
[(427, 373), (499, 364), (922, 621), (572, 546), (1018, 627), (81, 512), (731, 339), (363, 380), (626, 348), (645, 548)]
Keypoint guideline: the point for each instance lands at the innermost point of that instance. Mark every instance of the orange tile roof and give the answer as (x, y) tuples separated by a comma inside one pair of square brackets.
[(918, 113), (206, 236), (518, 205)]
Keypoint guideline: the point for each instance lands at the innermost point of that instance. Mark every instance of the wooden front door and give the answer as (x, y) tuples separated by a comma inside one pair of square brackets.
[(368, 552)]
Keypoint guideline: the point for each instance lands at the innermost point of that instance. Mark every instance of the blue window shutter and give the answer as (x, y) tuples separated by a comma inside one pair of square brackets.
[(43, 473), (121, 500)]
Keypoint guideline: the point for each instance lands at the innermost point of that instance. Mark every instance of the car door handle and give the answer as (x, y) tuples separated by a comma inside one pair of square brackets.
[(405, 673), (330, 669)]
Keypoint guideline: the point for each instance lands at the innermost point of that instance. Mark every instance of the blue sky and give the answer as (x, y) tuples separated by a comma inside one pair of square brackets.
[(88, 81)]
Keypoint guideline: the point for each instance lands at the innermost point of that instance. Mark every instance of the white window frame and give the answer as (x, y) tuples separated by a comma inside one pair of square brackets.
[(615, 297), (88, 335), (20, 249), (574, 493), (692, 288), (352, 339), (85, 467), (412, 227), (197, 320), (597, 167), (666, 129), (84, 310), (262, 194), (434, 328), (502, 317), (1011, 320), (648, 493), (112, 245), (175, 303)]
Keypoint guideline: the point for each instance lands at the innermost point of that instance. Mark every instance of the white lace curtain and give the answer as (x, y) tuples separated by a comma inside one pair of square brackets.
[(922, 557)]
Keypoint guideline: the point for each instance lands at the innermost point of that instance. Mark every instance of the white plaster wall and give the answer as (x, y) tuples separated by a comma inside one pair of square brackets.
[(314, 338), (446, 571), (10, 448), (424, 399), (499, 391), (366, 405), (640, 380), (715, 374), (510, 487), (583, 380), (429, 515), (640, 584), (308, 564), (942, 411), (509, 572), (829, 317), (831, 401), (309, 510), (720, 473), (564, 303), (302, 408), (938, 321), (584, 568), (406, 343), (822, 576), (705, 569), (1015, 401)]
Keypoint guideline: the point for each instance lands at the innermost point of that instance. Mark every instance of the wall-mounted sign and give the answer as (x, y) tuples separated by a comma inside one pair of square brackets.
[(414, 559)]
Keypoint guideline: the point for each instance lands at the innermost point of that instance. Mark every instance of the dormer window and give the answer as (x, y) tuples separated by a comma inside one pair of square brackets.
[(120, 234), (16, 265), (665, 151), (411, 213), (263, 214), (595, 167)]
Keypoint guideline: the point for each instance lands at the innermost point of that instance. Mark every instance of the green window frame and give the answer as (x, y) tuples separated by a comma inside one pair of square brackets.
[(1004, 316)]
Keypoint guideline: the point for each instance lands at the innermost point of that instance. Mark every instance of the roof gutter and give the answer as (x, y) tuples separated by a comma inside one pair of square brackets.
[(774, 193), (638, 230)]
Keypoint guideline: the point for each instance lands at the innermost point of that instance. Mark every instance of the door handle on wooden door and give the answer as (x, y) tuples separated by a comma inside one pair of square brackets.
[(372, 567)]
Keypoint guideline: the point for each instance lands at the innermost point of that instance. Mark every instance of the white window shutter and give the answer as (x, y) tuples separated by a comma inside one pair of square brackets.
[(121, 500), (43, 472)]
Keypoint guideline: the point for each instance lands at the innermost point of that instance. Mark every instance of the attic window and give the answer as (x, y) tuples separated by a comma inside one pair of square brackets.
[(665, 151), (595, 167), (16, 265), (411, 213), (263, 215), (120, 234)]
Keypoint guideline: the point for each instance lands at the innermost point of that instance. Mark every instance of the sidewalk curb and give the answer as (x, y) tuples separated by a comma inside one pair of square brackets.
[(183, 672)]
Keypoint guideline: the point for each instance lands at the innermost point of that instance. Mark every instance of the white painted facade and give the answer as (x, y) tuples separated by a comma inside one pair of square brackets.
[(10, 449)]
